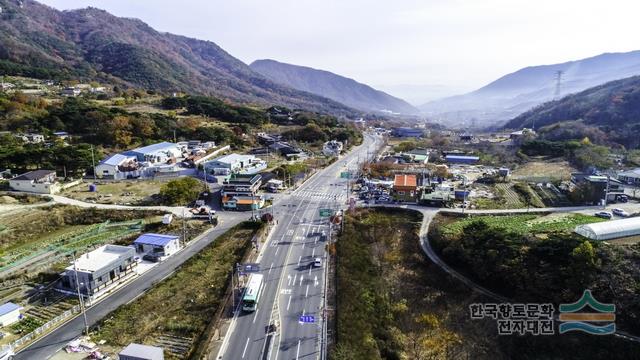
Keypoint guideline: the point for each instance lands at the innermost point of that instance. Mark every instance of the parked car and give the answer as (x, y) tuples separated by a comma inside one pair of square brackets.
[(317, 262), (604, 215), (151, 257), (620, 212)]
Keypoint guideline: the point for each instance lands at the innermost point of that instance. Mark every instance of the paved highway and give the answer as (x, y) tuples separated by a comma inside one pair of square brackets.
[(293, 287)]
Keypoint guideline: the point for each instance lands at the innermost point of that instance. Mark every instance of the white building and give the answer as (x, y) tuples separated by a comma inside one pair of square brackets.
[(9, 314), (31, 138), (630, 176), (235, 163), (332, 148), (99, 270), (38, 181), (160, 153), (157, 245), (70, 92), (115, 164)]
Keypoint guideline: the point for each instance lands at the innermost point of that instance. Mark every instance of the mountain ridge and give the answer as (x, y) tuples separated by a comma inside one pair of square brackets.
[(333, 86), (516, 92), (93, 44)]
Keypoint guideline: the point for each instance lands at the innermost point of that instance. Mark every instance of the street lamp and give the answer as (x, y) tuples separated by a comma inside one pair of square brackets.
[(82, 308)]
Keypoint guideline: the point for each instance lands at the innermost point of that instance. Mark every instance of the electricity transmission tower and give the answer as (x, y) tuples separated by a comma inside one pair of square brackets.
[(556, 94)]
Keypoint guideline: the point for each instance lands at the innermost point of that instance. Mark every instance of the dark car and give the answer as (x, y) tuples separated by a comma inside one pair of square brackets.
[(151, 257)]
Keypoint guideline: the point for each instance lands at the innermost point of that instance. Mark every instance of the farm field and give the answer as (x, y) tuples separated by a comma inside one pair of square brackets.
[(130, 192), (539, 168), (524, 223)]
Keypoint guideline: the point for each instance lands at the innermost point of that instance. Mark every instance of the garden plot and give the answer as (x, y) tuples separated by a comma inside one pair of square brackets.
[(129, 192)]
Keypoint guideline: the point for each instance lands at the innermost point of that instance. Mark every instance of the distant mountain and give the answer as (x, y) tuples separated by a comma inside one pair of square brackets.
[(332, 86), (419, 94), (522, 90), (39, 41)]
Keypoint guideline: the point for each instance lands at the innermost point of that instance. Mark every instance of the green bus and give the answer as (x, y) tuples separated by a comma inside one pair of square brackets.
[(252, 293)]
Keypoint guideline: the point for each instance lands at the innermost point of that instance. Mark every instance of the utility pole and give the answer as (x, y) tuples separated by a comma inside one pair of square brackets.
[(184, 229), (93, 163), (174, 136), (82, 308), (606, 193)]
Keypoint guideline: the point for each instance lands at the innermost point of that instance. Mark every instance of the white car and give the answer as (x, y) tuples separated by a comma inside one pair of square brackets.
[(620, 212), (317, 262)]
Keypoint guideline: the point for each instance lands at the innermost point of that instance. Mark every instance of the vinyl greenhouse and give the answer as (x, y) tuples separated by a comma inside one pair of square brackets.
[(608, 230)]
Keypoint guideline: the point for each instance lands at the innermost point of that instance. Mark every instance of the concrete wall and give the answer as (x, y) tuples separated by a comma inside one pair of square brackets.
[(28, 186)]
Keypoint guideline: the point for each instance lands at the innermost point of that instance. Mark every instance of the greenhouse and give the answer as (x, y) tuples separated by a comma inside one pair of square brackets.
[(613, 229)]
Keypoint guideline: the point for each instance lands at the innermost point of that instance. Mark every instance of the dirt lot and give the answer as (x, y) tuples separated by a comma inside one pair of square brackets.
[(130, 192), (540, 168)]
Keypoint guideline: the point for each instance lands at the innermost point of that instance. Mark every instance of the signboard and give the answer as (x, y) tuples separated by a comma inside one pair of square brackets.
[(345, 175), (307, 319), (326, 212)]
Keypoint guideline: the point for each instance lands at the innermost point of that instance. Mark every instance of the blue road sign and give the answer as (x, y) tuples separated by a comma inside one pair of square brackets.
[(307, 319)]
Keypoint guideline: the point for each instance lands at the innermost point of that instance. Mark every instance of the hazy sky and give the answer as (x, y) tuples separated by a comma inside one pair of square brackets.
[(457, 43)]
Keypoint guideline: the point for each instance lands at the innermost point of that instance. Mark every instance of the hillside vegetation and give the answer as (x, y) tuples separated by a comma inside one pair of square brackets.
[(91, 44)]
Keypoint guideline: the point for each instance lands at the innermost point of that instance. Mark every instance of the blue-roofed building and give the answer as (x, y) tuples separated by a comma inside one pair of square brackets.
[(157, 245), (462, 159), (160, 153), (9, 314)]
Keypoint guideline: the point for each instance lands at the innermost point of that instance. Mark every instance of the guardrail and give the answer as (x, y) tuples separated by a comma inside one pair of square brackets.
[(43, 329)]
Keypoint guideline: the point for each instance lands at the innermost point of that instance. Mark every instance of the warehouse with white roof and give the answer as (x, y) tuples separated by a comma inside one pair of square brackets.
[(608, 230)]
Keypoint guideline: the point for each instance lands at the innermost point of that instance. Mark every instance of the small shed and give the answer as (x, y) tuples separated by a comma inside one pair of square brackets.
[(141, 352), (9, 314), (157, 244)]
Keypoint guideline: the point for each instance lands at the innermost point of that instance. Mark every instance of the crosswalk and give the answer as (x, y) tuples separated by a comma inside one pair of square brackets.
[(317, 195)]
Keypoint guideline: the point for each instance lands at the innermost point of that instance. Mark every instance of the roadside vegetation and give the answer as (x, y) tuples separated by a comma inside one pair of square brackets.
[(538, 258), (181, 191), (184, 304)]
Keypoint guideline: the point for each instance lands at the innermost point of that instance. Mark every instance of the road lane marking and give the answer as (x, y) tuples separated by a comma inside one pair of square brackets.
[(301, 277), (285, 291), (297, 352), (288, 303), (270, 267), (315, 281), (295, 276), (313, 252), (310, 268), (255, 316), (277, 250), (306, 293), (245, 348), (299, 258)]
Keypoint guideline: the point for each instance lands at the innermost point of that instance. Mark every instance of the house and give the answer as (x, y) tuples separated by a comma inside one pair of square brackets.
[(235, 163), (115, 164), (157, 244), (99, 270), (70, 92), (420, 156), (141, 352), (631, 177), (240, 192), (38, 181), (462, 159), (160, 153), (517, 137), (407, 132), (31, 138), (405, 188), (466, 137), (9, 314), (63, 135), (332, 148), (598, 188)]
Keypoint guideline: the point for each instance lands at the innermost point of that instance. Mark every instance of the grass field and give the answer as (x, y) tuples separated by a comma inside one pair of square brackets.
[(552, 169), (131, 192), (524, 223), (181, 306)]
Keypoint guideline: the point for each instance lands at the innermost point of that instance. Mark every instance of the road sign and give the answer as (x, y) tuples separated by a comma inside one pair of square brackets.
[(326, 212), (345, 175), (307, 319)]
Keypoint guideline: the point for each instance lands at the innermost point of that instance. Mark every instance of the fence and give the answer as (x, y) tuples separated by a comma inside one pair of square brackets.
[(42, 329)]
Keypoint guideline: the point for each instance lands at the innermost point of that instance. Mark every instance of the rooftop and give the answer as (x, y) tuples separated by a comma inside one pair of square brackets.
[(34, 175), (115, 159), (143, 352), (8, 307), (99, 258), (234, 158), (155, 239), (154, 148), (405, 180)]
